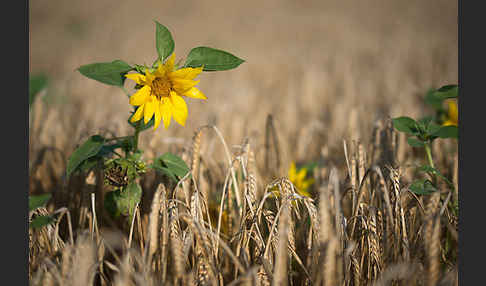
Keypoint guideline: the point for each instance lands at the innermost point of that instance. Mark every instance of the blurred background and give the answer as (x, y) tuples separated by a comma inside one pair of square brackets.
[(325, 70)]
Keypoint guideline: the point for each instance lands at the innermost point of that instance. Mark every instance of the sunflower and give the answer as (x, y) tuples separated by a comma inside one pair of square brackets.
[(451, 114), (299, 180), (162, 91)]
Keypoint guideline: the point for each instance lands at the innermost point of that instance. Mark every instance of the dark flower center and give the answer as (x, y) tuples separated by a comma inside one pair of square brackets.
[(161, 86)]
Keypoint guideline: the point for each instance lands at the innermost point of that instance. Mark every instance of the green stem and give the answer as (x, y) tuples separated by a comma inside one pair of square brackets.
[(429, 154)]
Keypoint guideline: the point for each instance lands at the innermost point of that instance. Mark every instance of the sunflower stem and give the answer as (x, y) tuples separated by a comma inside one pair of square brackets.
[(429, 154)]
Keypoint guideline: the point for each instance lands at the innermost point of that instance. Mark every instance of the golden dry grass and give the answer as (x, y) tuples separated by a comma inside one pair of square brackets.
[(330, 74)]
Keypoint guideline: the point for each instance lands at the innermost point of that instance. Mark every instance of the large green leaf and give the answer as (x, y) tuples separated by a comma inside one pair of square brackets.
[(163, 41), (405, 124), (415, 142), (448, 91), (432, 128), (123, 201), (171, 165), (108, 73), (87, 150), (447, 132), (38, 201), (212, 59), (36, 84)]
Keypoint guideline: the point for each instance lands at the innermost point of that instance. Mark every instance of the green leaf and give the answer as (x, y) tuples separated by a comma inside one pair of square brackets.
[(171, 165), (415, 142), (36, 84), (447, 132), (38, 201), (123, 201), (41, 221), (435, 101), (425, 121), (108, 73), (136, 156), (90, 163), (427, 168), (89, 149), (405, 124), (163, 41), (433, 171), (309, 166), (448, 91), (212, 59), (111, 203), (432, 128), (422, 187)]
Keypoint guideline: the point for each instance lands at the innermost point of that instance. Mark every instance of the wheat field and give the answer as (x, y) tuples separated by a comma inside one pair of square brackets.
[(320, 82)]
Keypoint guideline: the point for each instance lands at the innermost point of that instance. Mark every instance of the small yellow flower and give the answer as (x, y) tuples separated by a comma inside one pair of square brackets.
[(299, 180), (451, 114), (162, 91)]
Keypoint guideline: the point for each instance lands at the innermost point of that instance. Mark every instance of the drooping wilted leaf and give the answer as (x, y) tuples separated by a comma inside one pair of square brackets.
[(171, 165), (87, 150)]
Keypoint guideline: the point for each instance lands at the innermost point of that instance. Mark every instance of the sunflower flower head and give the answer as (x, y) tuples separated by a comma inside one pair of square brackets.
[(161, 93), (298, 178), (451, 114)]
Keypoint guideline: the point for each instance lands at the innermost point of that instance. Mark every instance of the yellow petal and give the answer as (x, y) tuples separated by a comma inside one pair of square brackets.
[(166, 110), (301, 175), (141, 96), (149, 109), (195, 93), (186, 73), (138, 114), (149, 77), (292, 172), (182, 86), (306, 184), (169, 64), (449, 123), (160, 71), (179, 108), (453, 111), (158, 115), (138, 78)]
